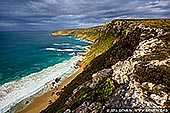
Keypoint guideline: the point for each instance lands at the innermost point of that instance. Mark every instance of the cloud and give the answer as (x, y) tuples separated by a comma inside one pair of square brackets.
[(156, 7), (57, 14), (7, 24), (35, 24)]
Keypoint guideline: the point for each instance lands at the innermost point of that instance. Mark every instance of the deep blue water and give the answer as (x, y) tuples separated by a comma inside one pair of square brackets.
[(22, 53)]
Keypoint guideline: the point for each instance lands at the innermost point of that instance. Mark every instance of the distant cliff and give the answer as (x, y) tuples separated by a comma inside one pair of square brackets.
[(90, 34), (128, 66)]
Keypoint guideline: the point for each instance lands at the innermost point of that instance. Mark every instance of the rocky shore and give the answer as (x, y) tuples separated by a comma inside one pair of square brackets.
[(128, 66)]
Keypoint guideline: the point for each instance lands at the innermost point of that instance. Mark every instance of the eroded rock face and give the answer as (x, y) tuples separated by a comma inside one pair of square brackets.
[(97, 77), (133, 93), (86, 107), (159, 99), (140, 81)]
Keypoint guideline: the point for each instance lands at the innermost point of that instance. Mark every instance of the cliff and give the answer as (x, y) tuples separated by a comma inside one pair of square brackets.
[(90, 34), (128, 66)]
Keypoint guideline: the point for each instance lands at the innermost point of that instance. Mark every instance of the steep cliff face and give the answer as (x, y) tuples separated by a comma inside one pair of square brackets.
[(128, 66)]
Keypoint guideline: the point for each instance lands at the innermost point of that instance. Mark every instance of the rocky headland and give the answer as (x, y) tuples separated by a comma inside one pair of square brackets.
[(128, 66)]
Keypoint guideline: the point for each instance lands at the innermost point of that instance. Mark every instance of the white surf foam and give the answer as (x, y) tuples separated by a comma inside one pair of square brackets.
[(77, 46), (13, 92), (72, 54), (50, 49), (81, 39), (79, 49), (69, 50), (56, 44)]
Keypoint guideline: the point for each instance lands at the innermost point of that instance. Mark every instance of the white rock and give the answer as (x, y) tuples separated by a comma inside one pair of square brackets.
[(159, 99)]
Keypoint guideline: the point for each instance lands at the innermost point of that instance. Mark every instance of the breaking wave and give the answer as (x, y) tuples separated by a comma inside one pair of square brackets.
[(13, 92)]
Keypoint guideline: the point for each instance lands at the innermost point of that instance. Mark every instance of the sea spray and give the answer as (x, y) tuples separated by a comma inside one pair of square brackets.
[(30, 60), (23, 53), (13, 92)]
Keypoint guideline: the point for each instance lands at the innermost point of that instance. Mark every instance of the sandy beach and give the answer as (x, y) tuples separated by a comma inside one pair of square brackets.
[(41, 102)]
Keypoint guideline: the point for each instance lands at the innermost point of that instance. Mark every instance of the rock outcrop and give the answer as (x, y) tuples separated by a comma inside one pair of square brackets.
[(132, 72), (131, 92)]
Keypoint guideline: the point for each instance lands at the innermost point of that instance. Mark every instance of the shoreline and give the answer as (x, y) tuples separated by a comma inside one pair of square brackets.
[(40, 83), (42, 101), (66, 71), (46, 77), (39, 103)]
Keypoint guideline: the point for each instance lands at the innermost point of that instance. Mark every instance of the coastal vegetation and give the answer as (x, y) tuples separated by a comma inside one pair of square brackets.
[(126, 55)]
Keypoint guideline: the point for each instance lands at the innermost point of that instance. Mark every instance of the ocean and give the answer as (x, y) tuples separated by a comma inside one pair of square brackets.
[(30, 60)]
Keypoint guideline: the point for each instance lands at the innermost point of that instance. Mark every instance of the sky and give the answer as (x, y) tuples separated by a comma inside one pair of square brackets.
[(50, 15)]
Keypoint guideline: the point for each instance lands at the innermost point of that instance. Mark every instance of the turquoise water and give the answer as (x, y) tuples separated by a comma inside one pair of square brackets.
[(30, 61), (22, 53)]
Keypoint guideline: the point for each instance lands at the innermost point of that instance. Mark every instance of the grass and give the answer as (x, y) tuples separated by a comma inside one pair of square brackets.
[(110, 46), (101, 94), (158, 23)]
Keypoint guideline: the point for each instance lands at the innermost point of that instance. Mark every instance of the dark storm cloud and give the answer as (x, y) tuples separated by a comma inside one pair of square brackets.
[(62, 14)]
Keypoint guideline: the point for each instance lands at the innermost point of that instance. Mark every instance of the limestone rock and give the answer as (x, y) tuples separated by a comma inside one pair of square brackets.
[(159, 99), (99, 76), (141, 78)]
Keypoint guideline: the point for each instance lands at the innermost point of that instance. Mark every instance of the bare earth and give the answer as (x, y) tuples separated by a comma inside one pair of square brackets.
[(41, 102)]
